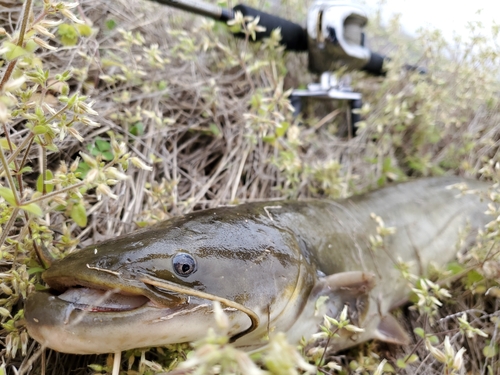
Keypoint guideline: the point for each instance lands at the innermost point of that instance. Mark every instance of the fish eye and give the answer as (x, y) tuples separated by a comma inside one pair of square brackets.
[(184, 264)]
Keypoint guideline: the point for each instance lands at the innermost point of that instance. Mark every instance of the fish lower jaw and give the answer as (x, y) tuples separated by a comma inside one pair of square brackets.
[(55, 324)]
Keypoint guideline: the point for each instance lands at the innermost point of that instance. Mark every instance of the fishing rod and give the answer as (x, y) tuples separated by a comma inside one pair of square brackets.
[(334, 31), (334, 36)]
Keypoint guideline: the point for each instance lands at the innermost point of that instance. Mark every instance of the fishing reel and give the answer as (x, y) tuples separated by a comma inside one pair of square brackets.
[(334, 37), (335, 32)]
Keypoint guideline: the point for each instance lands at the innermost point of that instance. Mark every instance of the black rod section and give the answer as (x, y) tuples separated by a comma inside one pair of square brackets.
[(201, 8), (293, 36)]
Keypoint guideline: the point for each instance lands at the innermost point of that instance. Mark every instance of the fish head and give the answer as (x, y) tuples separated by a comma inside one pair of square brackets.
[(157, 286)]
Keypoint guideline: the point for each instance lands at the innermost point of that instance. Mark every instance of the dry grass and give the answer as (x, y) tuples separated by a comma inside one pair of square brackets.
[(207, 112)]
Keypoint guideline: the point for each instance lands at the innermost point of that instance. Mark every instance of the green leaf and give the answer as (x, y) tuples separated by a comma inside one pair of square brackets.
[(412, 358), (33, 270), (72, 100), (162, 85), (52, 147), (214, 129), (107, 155), (388, 368), (31, 46), (490, 351), (8, 195), (269, 138), (419, 332), (455, 268), (94, 151), (40, 287), (235, 29), (473, 277), (83, 169), (101, 148), (39, 182), (97, 368), (40, 129), (68, 34), (102, 145), (84, 30), (5, 144), (26, 169), (280, 132), (433, 339), (137, 129), (33, 208), (9, 325), (79, 214), (401, 363), (110, 24), (13, 51), (64, 76)]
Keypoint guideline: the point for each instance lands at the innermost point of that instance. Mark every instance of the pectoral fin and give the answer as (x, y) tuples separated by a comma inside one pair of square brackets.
[(390, 330), (345, 288), (352, 289), (328, 297), (331, 294)]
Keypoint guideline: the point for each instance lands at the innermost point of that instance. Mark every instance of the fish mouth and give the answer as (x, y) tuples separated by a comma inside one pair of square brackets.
[(103, 316), (146, 291), (88, 319), (97, 300), (96, 297)]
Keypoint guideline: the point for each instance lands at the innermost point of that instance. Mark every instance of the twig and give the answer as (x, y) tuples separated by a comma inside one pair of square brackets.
[(9, 224), (30, 142), (27, 140), (267, 208), (116, 363), (54, 193), (22, 31), (24, 22), (9, 176), (43, 168)]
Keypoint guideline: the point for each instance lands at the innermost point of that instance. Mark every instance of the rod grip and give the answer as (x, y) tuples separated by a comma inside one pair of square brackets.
[(375, 65), (293, 36)]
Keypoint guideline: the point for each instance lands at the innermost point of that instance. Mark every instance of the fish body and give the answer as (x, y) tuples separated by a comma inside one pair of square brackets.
[(267, 263)]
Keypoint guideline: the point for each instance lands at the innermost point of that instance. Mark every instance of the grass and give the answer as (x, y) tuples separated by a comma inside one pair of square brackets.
[(172, 114)]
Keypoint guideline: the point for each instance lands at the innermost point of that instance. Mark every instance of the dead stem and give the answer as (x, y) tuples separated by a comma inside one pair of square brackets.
[(9, 177), (26, 143), (8, 225), (22, 31), (54, 193)]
